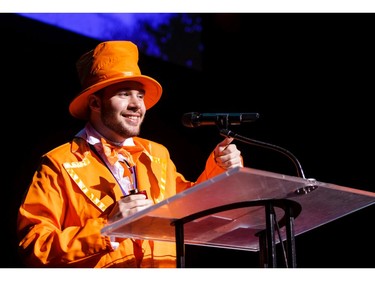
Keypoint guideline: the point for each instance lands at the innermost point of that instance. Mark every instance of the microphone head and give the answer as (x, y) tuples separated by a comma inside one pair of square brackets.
[(189, 119)]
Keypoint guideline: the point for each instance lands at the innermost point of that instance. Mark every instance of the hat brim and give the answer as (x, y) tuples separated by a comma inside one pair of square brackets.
[(79, 105)]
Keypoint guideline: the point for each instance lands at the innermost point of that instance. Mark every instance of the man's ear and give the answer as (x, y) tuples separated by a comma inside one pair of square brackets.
[(94, 102)]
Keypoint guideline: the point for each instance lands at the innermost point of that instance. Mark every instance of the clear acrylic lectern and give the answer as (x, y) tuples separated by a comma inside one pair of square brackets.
[(243, 208)]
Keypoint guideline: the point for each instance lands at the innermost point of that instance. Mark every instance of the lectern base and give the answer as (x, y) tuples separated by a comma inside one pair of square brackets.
[(267, 240)]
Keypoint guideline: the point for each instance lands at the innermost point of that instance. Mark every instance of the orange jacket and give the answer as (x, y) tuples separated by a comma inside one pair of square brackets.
[(68, 200)]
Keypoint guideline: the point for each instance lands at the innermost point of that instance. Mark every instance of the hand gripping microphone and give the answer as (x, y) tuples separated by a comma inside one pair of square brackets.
[(195, 119)]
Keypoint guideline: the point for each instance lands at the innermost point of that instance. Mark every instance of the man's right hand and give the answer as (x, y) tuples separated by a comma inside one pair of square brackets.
[(129, 205)]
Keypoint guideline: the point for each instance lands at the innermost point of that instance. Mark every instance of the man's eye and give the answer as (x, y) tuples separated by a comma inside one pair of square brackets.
[(124, 93)]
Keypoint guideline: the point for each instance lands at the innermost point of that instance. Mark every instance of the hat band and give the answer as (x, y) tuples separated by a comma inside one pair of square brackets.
[(102, 78)]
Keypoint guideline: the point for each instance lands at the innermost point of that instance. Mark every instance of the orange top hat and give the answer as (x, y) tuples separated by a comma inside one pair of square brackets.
[(109, 63)]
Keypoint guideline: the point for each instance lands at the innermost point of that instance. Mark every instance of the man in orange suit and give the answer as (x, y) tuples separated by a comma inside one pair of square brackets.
[(81, 186)]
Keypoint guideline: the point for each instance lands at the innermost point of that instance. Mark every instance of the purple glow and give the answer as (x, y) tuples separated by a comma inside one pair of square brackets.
[(173, 37)]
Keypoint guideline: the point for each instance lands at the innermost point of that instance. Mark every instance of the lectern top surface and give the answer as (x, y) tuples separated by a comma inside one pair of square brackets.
[(320, 203)]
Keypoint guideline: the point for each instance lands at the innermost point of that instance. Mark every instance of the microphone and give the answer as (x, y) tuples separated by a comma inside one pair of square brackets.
[(195, 119)]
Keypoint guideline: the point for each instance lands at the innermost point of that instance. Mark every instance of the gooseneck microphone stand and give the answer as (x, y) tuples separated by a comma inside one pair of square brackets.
[(228, 133), (266, 239)]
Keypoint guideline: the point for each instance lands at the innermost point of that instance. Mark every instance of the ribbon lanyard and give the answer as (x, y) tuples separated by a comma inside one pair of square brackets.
[(133, 175)]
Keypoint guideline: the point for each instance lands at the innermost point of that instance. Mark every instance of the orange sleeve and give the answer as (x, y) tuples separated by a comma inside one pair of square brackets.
[(44, 241)]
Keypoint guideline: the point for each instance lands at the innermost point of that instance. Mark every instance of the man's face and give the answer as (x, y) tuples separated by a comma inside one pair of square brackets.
[(123, 108)]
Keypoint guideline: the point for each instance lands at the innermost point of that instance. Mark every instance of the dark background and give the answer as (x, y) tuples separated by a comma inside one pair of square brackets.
[(310, 76)]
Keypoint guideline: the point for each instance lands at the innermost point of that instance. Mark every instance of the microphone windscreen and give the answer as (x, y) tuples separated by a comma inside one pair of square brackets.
[(187, 119)]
